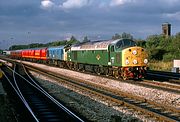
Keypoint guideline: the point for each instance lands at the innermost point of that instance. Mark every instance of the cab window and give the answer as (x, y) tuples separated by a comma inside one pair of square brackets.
[(112, 49), (124, 43)]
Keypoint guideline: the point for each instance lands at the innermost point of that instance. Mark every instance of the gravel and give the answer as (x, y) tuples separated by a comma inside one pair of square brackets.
[(90, 107), (6, 111), (160, 96)]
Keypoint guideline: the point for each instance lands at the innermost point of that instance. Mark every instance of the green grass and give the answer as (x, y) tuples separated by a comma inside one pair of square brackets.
[(160, 65)]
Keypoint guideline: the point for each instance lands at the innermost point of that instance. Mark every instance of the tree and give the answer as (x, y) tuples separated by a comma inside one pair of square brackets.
[(73, 40), (141, 43), (123, 35), (177, 35), (86, 39), (126, 35), (116, 36), (153, 41)]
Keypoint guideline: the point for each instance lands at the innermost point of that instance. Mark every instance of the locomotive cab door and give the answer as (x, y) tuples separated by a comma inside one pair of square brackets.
[(65, 55), (111, 58)]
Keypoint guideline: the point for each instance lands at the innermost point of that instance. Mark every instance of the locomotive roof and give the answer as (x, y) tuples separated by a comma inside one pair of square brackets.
[(94, 45)]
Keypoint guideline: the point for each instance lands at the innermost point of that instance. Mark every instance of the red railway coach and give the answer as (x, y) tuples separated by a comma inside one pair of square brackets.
[(44, 54), (19, 53), (12, 54), (31, 54), (16, 54), (25, 54), (40, 54), (37, 54)]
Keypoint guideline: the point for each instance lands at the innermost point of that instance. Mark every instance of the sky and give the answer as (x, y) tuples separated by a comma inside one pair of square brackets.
[(43, 21)]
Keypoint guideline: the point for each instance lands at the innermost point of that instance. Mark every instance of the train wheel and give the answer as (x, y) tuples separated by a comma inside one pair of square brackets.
[(78, 67), (69, 65), (75, 66), (116, 74), (124, 75), (61, 64), (97, 70), (106, 70), (83, 68), (56, 63)]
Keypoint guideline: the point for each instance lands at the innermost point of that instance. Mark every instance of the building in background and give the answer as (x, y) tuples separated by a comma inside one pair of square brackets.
[(166, 29)]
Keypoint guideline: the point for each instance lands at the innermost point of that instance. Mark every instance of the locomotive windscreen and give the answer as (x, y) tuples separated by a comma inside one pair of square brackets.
[(124, 43)]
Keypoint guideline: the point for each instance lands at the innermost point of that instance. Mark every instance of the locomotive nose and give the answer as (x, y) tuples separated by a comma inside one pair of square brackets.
[(134, 56)]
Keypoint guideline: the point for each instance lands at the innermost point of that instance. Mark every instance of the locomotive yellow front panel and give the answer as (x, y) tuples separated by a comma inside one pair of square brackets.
[(134, 56)]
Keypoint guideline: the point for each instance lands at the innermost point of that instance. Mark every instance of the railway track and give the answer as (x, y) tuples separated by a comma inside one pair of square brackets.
[(165, 81), (163, 76), (165, 86), (151, 76), (174, 87), (147, 107), (40, 105), (152, 84)]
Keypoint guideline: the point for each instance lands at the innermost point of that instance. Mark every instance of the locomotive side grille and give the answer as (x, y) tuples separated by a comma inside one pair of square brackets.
[(118, 58), (75, 55)]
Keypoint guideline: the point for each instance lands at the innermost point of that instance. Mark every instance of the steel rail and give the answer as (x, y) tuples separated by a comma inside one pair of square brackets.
[(170, 87), (54, 100), (47, 95), (161, 116), (154, 73), (16, 89)]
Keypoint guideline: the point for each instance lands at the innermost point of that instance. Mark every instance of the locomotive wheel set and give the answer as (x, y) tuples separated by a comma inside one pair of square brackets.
[(118, 58)]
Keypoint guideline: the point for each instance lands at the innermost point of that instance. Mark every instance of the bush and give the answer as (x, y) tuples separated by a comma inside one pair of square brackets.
[(161, 65), (156, 54)]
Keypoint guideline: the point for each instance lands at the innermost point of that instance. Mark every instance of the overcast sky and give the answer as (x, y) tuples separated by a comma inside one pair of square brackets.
[(42, 21)]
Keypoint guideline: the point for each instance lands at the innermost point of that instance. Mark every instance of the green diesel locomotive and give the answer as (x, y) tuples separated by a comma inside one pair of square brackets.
[(118, 58)]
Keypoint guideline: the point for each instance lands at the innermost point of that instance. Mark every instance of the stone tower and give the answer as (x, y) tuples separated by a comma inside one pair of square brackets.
[(166, 29)]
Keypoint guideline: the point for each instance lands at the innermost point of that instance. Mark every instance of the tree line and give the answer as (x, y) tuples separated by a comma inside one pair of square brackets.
[(163, 48), (72, 40)]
